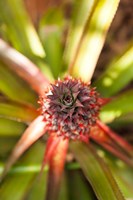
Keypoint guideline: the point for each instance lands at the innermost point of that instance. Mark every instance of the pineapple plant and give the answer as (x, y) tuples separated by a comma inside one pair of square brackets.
[(50, 100)]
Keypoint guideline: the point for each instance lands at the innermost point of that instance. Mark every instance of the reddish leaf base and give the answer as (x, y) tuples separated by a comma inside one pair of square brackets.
[(125, 145), (23, 67), (112, 142), (51, 145), (104, 101), (55, 156)]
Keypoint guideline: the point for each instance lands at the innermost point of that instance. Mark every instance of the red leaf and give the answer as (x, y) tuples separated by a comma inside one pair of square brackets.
[(56, 166), (111, 144), (120, 141), (51, 146), (23, 67)]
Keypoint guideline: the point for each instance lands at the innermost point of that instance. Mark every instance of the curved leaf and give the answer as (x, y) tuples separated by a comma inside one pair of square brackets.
[(92, 39), (118, 74), (35, 130), (19, 29), (15, 186), (23, 67), (118, 107), (124, 176), (124, 119), (51, 31), (38, 188), (122, 173), (11, 128), (82, 10), (78, 189), (12, 86), (56, 166), (97, 172), (16, 111), (63, 194), (19, 181)]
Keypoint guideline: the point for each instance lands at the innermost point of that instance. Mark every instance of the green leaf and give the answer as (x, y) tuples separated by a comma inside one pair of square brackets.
[(122, 173), (77, 187), (81, 11), (53, 16), (124, 177), (124, 119), (6, 147), (11, 128), (118, 107), (96, 171), (63, 193), (34, 131), (12, 86), (18, 29), (38, 189), (16, 111), (118, 74), (51, 36), (51, 32), (23, 169), (17, 184), (92, 40)]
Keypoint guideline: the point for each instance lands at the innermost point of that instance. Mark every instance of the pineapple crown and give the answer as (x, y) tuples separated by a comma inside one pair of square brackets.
[(70, 108)]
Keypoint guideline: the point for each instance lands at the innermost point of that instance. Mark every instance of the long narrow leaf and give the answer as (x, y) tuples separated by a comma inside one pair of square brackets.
[(51, 32), (5, 148), (36, 129), (15, 186), (23, 67), (128, 148), (119, 106), (118, 74), (124, 119), (122, 173), (38, 190), (19, 182), (92, 39), (11, 86), (56, 165), (97, 172), (63, 194), (16, 111), (11, 128), (78, 189), (19, 29), (80, 13)]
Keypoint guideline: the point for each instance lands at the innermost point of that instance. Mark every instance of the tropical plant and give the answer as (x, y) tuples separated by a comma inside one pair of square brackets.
[(46, 95)]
